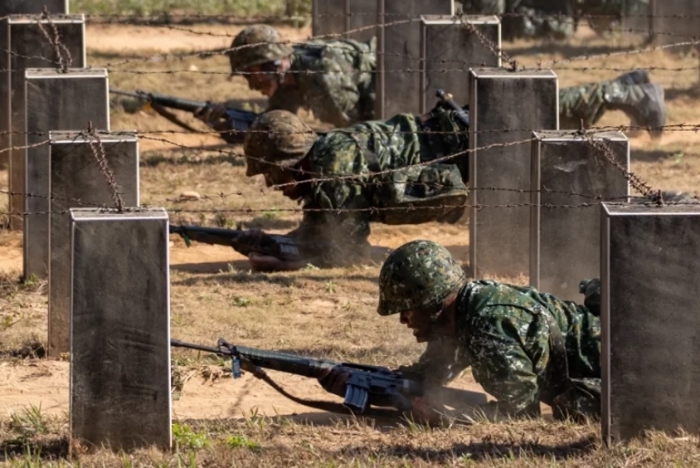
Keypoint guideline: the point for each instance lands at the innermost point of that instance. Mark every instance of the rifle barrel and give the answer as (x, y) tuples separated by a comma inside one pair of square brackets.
[(283, 362), (127, 93), (209, 349)]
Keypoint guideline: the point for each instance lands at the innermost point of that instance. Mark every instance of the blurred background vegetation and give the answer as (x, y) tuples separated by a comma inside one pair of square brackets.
[(297, 10)]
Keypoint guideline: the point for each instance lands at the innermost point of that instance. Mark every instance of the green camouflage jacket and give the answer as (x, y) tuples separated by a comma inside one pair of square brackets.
[(339, 87), (347, 162), (503, 336)]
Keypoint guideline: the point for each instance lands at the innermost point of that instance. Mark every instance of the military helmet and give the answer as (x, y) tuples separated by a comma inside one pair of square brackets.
[(278, 137), (417, 275), (256, 45)]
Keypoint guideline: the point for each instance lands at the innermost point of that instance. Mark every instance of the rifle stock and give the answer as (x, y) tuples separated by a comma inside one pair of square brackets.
[(281, 247)]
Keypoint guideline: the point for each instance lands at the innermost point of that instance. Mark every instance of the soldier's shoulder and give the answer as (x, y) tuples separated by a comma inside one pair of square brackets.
[(487, 297), (334, 153)]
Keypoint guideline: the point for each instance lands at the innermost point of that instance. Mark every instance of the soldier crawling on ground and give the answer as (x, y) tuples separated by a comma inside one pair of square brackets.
[(335, 80), (525, 347), (406, 170), (553, 19)]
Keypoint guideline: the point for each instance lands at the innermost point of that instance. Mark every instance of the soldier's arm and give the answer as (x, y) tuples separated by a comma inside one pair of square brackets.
[(335, 97), (501, 345), (332, 238), (438, 365)]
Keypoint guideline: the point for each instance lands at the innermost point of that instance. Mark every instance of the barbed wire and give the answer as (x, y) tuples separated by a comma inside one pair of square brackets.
[(60, 62), (195, 16), (440, 207), (63, 55), (681, 127), (98, 151)]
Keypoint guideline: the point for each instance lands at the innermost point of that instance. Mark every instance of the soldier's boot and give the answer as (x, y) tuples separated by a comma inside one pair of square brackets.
[(644, 105), (635, 77)]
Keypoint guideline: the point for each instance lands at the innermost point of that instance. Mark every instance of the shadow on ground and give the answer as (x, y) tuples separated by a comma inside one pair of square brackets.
[(653, 155), (692, 92), (52, 448), (478, 450), (378, 254), (229, 156), (566, 50)]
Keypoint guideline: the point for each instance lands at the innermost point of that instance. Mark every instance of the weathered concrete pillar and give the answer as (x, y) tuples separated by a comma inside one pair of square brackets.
[(398, 53), (31, 7), (505, 108), (676, 21), (650, 319), (344, 17), (55, 100), (450, 45), (120, 328), (30, 41), (78, 181), (568, 170)]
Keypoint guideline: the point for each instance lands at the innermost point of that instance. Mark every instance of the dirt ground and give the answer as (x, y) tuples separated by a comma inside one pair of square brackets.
[(324, 313)]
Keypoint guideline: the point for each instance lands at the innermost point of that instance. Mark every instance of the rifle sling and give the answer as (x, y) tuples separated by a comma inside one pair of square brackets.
[(556, 374), (171, 117), (317, 404)]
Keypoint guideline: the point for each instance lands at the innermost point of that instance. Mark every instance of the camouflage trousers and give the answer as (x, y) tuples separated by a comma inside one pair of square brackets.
[(589, 102), (525, 19)]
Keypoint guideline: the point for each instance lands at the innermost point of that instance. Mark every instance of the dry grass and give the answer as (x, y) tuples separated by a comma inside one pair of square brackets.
[(30, 439), (325, 313)]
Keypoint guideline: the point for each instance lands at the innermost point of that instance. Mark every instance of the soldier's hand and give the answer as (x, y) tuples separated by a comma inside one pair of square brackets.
[(335, 380), (411, 372), (253, 238), (211, 114), (425, 412)]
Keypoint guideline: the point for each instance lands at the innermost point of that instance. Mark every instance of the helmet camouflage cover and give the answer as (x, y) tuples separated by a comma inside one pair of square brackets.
[(245, 53), (417, 275), (278, 137)]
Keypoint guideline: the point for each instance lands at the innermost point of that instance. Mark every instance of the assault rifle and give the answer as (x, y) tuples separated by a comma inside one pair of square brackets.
[(366, 386), (282, 247), (238, 120), (446, 98)]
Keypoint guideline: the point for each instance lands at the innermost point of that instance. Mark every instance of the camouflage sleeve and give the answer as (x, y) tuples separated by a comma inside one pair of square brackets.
[(335, 97), (508, 352), (434, 365), (335, 226)]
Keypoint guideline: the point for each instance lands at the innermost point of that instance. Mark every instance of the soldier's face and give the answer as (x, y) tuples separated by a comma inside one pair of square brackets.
[(264, 82), (418, 321), (277, 176)]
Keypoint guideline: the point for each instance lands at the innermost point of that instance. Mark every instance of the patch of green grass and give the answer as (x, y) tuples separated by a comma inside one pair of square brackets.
[(240, 441), (28, 423), (185, 437)]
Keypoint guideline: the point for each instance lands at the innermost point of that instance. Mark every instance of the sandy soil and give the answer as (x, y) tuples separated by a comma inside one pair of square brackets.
[(46, 384)]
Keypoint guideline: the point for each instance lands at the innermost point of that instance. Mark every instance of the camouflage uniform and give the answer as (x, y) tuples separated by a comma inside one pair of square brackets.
[(359, 151), (340, 86), (528, 18), (553, 18), (353, 163), (631, 93), (505, 339), (507, 334)]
